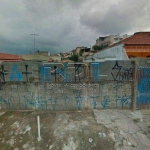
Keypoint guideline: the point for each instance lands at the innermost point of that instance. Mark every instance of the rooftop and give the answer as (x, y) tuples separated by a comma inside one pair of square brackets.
[(140, 38), (10, 57)]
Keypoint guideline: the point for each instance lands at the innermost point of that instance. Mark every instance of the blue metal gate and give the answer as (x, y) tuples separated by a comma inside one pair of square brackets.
[(143, 87)]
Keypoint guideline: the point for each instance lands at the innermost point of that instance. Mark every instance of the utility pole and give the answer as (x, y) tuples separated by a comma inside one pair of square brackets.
[(34, 40)]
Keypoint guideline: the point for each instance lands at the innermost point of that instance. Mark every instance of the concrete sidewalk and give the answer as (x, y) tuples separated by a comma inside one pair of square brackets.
[(77, 130), (129, 130)]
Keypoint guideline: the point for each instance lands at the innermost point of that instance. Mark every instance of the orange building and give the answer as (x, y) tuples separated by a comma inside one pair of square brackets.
[(138, 45)]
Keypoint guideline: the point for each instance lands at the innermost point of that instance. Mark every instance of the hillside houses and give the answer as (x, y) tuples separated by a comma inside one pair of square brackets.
[(135, 46), (119, 48)]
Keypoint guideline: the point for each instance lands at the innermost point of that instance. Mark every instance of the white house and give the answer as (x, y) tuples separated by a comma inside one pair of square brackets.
[(115, 52)]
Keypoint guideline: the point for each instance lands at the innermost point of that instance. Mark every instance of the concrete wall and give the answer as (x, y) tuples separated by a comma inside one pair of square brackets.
[(68, 86), (71, 86), (45, 96), (66, 72)]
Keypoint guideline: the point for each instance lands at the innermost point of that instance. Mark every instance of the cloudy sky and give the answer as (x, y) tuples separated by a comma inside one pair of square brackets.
[(63, 25)]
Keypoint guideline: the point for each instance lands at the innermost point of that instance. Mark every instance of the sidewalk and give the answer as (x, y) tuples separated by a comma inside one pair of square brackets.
[(76, 130)]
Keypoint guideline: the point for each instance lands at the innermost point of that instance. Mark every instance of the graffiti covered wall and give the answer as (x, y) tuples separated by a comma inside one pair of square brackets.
[(66, 86), (45, 96), (66, 72)]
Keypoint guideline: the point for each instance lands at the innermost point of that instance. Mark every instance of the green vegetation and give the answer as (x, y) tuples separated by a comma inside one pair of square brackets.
[(74, 57), (96, 47)]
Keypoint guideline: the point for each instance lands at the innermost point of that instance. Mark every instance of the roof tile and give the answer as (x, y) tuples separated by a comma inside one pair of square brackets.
[(140, 38), (10, 57)]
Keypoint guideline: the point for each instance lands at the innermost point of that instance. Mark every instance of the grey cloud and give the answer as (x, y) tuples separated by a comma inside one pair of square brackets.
[(120, 18), (42, 9), (7, 46), (63, 25), (52, 20)]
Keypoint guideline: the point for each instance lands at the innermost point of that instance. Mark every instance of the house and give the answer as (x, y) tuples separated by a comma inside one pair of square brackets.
[(35, 57), (103, 41), (10, 57), (66, 55), (81, 50), (84, 51), (45, 53), (137, 45), (110, 53), (56, 57), (42, 57), (50, 60), (73, 51), (109, 40)]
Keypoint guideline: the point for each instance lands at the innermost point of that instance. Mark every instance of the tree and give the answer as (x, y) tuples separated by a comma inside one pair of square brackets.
[(74, 57), (96, 47)]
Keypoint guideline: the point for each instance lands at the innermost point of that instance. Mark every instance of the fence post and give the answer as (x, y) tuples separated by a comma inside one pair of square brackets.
[(133, 86)]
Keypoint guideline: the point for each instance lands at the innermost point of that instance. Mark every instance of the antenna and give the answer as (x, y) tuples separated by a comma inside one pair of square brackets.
[(34, 40)]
